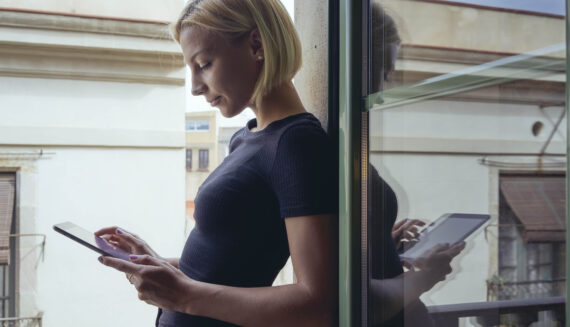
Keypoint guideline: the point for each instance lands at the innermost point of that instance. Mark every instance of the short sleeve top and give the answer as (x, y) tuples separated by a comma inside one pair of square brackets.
[(285, 170)]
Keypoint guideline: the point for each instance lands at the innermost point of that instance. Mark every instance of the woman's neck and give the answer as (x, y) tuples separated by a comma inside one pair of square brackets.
[(281, 102)]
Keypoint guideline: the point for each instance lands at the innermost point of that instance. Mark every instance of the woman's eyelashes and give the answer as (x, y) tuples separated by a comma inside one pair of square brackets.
[(204, 66)]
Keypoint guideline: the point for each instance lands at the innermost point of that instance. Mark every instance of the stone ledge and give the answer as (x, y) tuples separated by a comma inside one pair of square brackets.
[(61, 47), (89, 137)]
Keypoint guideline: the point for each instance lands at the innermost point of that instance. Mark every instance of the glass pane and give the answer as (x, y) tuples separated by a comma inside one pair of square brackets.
[(467, 159)]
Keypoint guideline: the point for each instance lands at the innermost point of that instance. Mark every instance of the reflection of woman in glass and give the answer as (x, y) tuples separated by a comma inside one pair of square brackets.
[(272, 197), (395, 293)]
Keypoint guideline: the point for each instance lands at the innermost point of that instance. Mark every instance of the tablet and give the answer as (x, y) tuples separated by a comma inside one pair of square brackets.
[(450, 228), (89, 240)]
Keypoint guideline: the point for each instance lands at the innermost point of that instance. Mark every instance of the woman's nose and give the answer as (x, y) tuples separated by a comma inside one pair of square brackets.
[(198, 87)]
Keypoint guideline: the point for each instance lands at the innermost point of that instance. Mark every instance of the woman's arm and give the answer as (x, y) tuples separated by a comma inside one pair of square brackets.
[(312, 301), (392, 295)]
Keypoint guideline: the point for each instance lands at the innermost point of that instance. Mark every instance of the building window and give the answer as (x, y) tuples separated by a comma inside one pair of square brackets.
[(197, 126), (8, 246), (531, 237), (204, 160), (188, 159)]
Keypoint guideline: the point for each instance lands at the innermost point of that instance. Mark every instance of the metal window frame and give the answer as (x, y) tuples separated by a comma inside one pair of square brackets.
[(351, 82), (568, 162), (345, 85)]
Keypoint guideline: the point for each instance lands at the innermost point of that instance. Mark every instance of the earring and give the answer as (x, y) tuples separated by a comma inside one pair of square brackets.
[(259, 58)]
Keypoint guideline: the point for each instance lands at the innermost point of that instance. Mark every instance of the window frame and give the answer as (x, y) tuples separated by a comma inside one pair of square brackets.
[(347, 36), (188, 160), (10, 299), (207, 163), (196, 124)]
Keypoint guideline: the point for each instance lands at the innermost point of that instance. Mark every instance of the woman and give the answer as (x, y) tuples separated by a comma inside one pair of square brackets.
[(272, 197), (394, 293)]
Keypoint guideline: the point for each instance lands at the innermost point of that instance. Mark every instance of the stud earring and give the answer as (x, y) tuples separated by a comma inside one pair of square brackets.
[(259, 58)]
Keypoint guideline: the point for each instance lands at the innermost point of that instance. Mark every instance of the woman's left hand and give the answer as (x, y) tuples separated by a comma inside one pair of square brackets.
[(158, 282)]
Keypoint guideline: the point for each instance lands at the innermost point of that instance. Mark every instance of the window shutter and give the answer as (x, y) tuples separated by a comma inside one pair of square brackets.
[(7, 191)]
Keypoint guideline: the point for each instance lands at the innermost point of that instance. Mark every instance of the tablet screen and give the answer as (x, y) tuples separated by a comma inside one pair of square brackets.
[(452, 228), (89, 240)]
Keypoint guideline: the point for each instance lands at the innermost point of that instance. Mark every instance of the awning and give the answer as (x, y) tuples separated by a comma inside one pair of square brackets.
[(539, 202), (7, 191)]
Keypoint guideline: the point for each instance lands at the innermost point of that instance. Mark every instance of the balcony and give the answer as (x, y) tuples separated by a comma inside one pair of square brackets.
[(22, 321), (548, 311)]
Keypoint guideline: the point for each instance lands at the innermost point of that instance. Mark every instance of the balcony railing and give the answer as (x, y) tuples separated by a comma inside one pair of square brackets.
[(22, 321), (526, 289), (550, 311)]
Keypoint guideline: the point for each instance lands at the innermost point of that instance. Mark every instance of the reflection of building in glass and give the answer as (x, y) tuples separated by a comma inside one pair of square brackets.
[(532, 222), (463, 109)]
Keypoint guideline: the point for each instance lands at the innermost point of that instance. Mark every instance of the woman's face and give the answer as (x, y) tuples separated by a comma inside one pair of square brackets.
[(224, 73)]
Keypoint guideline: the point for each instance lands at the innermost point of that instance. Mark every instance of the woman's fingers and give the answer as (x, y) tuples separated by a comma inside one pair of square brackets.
[(146, 260), (399, 224), (119, 264), (106, 231), (136, 245)]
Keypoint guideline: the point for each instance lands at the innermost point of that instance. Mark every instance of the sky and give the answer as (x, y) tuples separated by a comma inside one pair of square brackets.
[(198, 103), (545, 6)]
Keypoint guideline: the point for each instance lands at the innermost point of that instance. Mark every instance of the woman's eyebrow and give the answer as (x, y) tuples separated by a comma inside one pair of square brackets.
[(200, 51)]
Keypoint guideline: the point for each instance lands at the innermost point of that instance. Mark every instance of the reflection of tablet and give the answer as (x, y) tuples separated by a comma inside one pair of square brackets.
[(89, 240), (450, 228)]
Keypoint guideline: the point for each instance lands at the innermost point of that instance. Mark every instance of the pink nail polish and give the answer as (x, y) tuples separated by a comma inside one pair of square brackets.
[(120, 231), (133, 256)]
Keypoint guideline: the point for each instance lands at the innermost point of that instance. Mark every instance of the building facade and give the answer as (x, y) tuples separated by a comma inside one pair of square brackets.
[(92, 107)]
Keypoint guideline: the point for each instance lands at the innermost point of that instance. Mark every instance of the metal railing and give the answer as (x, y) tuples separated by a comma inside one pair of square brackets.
[(22, 321), (526, 289), (550, 311)]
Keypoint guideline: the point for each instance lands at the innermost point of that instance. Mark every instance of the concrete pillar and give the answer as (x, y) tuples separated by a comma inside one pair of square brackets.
[(311, 20)]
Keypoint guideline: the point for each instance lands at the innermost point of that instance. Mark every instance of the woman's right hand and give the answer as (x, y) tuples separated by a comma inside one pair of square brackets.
[(127, 241), (435, 264)]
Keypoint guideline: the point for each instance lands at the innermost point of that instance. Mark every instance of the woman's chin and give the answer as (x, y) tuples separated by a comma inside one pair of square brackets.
[(229, 113)]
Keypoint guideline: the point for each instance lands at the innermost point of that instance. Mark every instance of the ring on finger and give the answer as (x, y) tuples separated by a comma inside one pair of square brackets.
[(130, 278)]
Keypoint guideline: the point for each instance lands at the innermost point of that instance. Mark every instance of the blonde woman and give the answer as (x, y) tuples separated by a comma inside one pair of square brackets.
[(273, 196)]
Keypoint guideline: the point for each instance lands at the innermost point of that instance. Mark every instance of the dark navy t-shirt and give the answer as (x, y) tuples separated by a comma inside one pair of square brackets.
[(285, 170), (385, 262)]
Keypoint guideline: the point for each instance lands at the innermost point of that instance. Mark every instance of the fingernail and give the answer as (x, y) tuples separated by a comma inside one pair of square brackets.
[(100, 259), (120, 231), (133, 256)]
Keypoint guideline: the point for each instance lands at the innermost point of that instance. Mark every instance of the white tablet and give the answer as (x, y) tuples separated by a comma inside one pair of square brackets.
[(450, 228), (88, 239)]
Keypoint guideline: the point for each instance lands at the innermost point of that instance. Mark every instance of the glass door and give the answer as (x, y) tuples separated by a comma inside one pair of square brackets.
[(453, 138)]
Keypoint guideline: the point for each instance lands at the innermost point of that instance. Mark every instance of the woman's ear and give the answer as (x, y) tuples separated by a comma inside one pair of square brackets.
[(256, 45)]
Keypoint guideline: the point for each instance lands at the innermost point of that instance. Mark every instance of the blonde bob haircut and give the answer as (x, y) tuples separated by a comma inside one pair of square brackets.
[(235, 19)]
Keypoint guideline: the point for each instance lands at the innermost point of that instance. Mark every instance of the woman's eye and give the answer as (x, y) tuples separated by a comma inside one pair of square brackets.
[(204, 67)]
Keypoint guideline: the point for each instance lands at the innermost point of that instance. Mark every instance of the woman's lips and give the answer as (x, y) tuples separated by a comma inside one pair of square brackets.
[(216, 101)]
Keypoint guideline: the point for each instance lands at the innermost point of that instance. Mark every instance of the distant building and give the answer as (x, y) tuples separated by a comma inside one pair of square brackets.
[(201, 155), (224, 137)]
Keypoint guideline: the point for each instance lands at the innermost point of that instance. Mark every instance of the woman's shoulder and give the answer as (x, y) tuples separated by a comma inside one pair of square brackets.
[(304, 126), (303, 136)]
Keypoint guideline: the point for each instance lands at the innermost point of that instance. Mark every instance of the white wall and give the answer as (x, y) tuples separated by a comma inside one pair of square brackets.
[(436, 169), (140, 190), (113, 155)]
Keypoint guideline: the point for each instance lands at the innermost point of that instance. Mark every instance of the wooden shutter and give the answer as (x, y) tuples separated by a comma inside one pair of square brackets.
[(7, 192), (539, 202)]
